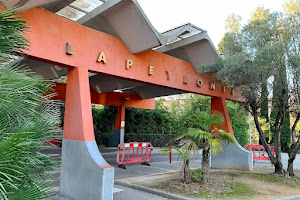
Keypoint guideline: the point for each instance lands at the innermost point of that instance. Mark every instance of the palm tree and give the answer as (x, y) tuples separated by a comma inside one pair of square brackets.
[(203, 135), (187, 148), (12, 30), (27, 117)]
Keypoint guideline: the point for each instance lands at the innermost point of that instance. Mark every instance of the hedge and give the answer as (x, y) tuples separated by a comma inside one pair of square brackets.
[(157, 140)]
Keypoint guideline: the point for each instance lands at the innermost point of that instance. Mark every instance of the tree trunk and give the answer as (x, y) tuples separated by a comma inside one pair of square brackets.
[(205, 163), (290, 168), (294, 128), (275, 161), (294, 148), (186, 172), (279, 168), (292, 156)]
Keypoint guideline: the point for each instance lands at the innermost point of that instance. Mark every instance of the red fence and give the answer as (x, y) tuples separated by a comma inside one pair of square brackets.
[(134, 152), (259, 151)]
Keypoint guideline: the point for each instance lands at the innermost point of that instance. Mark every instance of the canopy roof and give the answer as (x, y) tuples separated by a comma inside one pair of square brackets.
[(187, 45), (126, 19)]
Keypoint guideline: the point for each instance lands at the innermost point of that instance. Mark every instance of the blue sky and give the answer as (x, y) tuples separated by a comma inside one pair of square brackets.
[(207, 14)]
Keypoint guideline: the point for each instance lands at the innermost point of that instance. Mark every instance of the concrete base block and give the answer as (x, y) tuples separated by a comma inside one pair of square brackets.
[(233, 157), (85, 175)]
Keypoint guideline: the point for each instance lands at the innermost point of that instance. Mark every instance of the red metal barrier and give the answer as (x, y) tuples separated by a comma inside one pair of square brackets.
[(134, 152), (259, 151)]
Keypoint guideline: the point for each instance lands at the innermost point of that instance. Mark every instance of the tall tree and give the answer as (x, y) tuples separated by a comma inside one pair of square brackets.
[(251, 59), (291, 24)]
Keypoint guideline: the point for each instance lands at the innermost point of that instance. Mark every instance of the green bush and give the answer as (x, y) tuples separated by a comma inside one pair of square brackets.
[(162, 124), (238, 118), (197, 174), (157, 140), (101, 138)]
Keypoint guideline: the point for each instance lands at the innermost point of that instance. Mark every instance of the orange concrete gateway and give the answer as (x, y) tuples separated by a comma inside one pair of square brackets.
[(112, 55)]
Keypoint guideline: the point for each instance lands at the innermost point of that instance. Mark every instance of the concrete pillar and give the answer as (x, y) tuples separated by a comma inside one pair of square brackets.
[(234, 156), (119, 129), (84, 172)]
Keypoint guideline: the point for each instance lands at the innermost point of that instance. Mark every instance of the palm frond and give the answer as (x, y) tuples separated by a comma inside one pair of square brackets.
[(216, 146), (189, 147), (226, 137), (216, 118), (38, 190), (28, 120), (198, 135), (12, 30)]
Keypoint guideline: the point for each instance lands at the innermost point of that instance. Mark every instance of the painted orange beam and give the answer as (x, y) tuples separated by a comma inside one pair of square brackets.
[(49, 34), (78, 123), (110, 98), (218, 104)]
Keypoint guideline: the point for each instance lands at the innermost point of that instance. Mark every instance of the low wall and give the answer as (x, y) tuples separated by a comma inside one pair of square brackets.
[(233, 157)]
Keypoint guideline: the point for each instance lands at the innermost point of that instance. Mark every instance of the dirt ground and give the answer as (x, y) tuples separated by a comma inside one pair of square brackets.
[(260, 184)]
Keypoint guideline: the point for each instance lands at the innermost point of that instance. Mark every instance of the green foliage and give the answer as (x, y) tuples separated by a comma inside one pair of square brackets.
[(264, 110), (12, 29), (285, 137), (187, 148), (233, 23), (238, 190), (148, 121), (239, 122), (163, 124), (104, 119), (260, 60), (28, 119), (157, 140), (204, 121), (197, 174)]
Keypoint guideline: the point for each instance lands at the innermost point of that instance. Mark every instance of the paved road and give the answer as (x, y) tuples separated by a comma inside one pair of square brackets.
[(159, 164), (122, 193)]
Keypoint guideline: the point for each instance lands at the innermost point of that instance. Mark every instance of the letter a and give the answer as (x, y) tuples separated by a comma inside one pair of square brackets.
[(101, 58)]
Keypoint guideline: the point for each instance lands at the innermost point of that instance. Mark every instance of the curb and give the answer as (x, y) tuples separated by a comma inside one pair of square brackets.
[(289, 198), (152, 191)]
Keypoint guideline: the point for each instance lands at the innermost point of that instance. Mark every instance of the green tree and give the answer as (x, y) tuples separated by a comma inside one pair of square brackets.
[(172, 120), (251, 57), (291, 24), (187, 149), (264, 49), (28, 118), (211, 139)]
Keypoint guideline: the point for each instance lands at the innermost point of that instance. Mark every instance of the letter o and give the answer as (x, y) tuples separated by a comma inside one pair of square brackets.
[(199, 82)]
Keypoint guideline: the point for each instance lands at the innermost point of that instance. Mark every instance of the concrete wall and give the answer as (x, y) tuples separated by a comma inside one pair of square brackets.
[(233, 157), (85, 175)]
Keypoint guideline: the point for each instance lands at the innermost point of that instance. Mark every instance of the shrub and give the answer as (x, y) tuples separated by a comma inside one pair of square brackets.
[(197, 174)]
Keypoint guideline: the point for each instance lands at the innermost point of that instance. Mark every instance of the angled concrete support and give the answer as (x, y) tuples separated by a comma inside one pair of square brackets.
[(234, 156), (84, 172), (117, 136)]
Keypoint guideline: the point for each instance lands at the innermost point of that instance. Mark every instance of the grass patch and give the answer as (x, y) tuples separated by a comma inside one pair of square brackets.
[(224, 184), (277, 179), (238, 189), (235, 189), (214, 189), (265, 178)]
